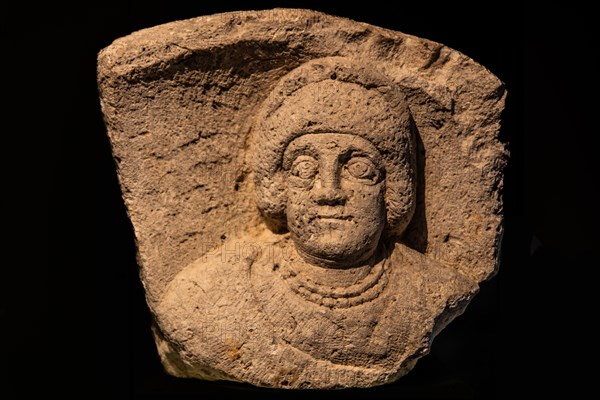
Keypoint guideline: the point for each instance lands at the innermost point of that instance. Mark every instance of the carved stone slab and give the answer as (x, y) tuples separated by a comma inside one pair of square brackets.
[(313, 198)]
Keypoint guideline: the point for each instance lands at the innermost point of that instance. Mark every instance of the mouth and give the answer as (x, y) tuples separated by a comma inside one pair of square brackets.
[(335, 217)]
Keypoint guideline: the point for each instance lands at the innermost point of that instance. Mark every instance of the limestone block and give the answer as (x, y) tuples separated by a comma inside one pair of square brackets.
[(313, 198)]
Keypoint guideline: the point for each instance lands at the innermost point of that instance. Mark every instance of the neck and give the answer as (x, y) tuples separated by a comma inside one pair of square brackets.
[(334, 273), (337, 264)]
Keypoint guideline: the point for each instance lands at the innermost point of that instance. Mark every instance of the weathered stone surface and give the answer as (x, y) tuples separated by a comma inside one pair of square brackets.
[(313, 198)]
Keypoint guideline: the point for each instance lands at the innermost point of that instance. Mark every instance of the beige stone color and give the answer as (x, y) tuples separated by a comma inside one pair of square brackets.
[(313, 198)]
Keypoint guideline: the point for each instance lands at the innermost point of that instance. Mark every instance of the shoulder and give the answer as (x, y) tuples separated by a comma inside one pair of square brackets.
[(209, 312), (220, 272), (205, 284), (437, 285), (432, 272), (213, 290)]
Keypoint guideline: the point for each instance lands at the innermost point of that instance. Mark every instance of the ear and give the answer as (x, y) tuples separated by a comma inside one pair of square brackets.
[(400, 201), (271, 200)]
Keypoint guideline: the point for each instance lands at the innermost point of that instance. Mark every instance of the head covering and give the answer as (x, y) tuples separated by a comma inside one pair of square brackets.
[(336, 95)]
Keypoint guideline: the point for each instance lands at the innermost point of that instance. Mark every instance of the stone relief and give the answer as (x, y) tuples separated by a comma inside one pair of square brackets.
[(313, 198)]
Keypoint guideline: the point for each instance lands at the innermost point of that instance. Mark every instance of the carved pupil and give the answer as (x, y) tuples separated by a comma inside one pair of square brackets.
[(305, 169), (361, 168)]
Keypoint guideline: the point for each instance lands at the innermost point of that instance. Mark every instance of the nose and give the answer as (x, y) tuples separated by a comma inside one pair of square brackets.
[(329, 196), (327, 190)]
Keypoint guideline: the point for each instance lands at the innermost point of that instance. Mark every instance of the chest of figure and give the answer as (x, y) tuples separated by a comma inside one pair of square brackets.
[(360, 329)]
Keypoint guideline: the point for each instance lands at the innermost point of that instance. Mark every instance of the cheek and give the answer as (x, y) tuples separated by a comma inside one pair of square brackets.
[(296, 199), (297, 207), (367, 200)]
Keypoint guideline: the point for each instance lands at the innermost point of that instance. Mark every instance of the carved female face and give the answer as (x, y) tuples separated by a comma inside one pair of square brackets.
[(335, 189)]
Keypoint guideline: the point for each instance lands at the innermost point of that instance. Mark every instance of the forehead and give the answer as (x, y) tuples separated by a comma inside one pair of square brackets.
[(330, 143)]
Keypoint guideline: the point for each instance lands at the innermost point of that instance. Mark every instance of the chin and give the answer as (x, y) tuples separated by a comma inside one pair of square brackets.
[(335, 250)]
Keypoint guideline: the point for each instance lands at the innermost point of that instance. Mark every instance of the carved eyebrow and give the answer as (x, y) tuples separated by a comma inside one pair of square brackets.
[(295, 150), (354, 151), (354, 147)]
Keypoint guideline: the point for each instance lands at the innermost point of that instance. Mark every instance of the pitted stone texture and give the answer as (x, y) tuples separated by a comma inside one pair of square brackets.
[(235, 294)]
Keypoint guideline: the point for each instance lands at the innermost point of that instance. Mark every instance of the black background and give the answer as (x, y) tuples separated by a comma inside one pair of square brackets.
[(73, 298)]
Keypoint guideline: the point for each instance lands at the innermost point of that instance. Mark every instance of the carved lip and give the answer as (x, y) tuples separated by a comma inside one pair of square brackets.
[(336, 217)]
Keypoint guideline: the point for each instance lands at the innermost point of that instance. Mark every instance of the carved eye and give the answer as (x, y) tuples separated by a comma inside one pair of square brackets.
[(305, 167), (362, 168)]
